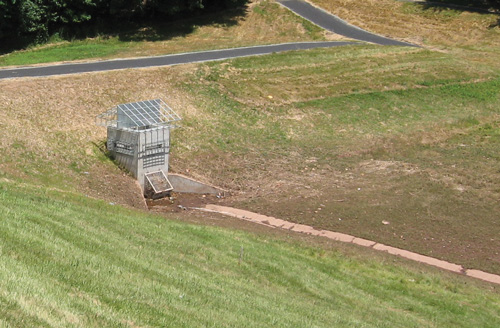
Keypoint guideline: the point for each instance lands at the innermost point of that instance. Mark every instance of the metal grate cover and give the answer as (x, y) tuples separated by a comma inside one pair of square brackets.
[(159, 182), (139, 115)]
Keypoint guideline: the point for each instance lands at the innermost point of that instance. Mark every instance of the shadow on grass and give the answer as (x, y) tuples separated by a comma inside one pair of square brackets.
[(478, 6), (172, 28), (102, 148), (158, 29)]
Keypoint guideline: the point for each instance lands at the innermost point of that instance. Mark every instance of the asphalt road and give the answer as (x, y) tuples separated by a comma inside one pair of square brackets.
[(168, 60), (334, 24), (301, 8)]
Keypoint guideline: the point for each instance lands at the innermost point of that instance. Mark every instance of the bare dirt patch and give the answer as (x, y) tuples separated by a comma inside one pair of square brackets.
[(180, 202), (388, 206), (387, 167)]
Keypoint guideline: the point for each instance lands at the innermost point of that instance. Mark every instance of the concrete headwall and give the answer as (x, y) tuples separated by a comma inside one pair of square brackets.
[(147, 150), (129, 161)]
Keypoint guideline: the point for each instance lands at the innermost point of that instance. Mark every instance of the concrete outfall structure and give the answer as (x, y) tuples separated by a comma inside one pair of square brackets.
[(272, 222), (139, 140)]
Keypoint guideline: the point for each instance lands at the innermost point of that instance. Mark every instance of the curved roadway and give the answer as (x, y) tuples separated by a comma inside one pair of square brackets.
[(336, 25), (314, 14)]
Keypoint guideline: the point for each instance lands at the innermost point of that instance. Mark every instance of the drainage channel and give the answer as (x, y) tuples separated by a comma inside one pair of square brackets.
[(341, 237)]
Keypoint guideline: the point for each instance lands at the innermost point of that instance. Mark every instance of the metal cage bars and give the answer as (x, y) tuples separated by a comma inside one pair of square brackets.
[(137, 115)]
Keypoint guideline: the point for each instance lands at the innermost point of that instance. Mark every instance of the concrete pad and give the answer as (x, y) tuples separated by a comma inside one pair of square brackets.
[(184, 184)]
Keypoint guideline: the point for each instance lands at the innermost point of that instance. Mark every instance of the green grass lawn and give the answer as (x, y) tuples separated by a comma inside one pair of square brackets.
[(67, 51), (68, 260)]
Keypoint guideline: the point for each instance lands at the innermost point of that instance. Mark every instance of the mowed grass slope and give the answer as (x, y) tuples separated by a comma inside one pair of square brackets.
[(68, 260)]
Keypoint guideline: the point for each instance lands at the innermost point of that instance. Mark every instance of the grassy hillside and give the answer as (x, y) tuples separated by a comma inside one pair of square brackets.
[(341, 139), (372, 133), (344, 139), (68, 260)]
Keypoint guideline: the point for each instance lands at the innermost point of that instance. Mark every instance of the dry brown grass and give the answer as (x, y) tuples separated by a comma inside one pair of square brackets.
[(264, 22), (49, 133), (413, 22), (435, 28), (49, 125)]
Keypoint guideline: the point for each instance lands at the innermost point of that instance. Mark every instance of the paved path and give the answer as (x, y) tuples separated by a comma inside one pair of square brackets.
[(301, 8), (278, 223), (334, 24), (168, 60)]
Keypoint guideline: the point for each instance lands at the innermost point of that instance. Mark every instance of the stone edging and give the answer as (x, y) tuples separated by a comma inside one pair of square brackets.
[(278, 223)]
